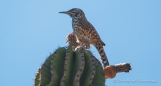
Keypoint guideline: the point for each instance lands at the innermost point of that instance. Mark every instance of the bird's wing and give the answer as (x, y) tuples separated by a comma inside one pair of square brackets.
[(90, 30), (87, 26), (84, 24)]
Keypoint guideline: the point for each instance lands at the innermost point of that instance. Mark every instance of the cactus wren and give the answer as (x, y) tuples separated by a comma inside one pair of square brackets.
[(85, 33)]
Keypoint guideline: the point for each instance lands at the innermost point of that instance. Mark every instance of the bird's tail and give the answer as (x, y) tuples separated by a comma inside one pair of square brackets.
[(102, 54)]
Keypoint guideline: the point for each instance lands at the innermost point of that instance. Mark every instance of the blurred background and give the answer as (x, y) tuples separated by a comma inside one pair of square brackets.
[(32, 29)]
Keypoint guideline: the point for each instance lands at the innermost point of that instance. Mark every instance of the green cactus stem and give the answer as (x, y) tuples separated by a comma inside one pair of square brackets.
[(68, 68)]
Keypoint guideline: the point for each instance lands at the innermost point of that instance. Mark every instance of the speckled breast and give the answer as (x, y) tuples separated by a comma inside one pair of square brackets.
[(78, 30)]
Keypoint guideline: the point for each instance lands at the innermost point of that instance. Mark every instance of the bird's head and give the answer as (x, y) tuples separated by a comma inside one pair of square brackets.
[(74, 13)]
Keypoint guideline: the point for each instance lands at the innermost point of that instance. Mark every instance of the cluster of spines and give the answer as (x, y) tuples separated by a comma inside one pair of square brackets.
[(67, 68), (123, 67), (78, 66), (38, 78)]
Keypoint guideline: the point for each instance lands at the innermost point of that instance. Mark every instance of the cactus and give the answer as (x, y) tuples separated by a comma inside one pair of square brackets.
[(68, 68)]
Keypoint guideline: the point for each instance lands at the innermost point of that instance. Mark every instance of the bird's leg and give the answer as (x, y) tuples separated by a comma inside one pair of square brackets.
[(81, 45), (86, 43)]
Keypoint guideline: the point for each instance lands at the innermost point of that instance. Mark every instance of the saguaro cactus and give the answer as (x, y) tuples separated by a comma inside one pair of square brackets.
[(68, 68)]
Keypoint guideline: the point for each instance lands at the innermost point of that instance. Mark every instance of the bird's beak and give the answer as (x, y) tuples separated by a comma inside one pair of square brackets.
[(65, 12)]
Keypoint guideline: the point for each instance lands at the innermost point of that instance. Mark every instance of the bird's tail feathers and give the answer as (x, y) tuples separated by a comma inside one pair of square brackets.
[(103, 55)]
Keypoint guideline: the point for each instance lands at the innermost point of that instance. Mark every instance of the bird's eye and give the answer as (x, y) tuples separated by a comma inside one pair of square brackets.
[(76, 14)]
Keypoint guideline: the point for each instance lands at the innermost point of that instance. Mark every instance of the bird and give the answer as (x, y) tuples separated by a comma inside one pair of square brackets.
[(85, 32)]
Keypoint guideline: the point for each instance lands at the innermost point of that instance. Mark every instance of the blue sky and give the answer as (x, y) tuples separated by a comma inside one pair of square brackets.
[(32, 29)]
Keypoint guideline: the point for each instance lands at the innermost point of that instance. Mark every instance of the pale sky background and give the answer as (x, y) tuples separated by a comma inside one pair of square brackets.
[(32, 29)]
